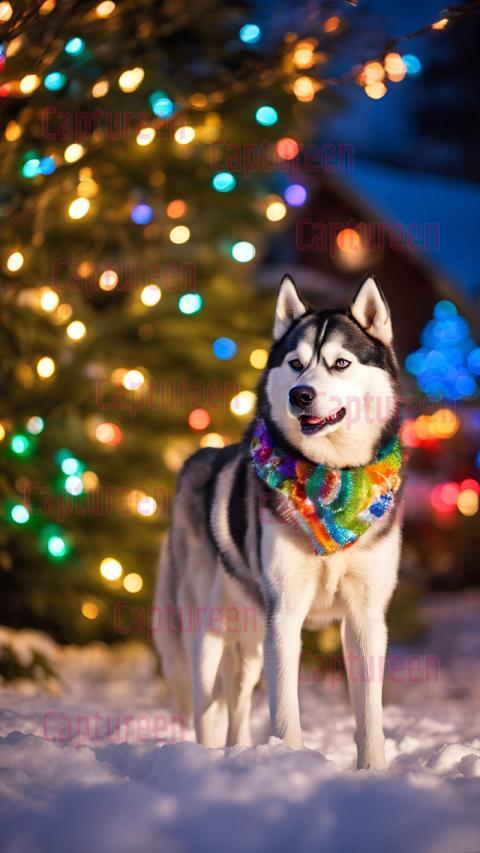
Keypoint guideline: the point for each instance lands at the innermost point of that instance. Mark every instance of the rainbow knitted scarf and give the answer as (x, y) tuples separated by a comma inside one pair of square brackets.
[(333, 506)]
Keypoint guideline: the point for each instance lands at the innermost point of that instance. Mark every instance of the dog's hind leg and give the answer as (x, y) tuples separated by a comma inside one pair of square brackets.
[(240, 675)]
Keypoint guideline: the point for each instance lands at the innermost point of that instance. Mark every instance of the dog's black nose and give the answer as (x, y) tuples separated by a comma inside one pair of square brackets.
[(302, 396)]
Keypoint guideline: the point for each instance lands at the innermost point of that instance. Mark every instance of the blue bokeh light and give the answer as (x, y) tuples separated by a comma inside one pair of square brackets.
[(250, 33), (224, 348), (142, 214), (412, 63), (266, 116), (55, 81), (224, 182), (161, 105), (190, 303)]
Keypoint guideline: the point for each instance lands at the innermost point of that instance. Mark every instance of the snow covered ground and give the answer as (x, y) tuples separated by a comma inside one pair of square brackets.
[(68, 784)]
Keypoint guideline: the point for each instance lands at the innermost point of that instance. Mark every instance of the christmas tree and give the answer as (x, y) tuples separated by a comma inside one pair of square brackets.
[(148, 152)]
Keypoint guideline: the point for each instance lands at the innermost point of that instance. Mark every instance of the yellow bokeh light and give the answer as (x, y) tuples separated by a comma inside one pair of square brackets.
[(87, 188), (467, 502), (100, 89), (373, 72), (89, 610), (444, 423), (133, 582), (90, 481), (6, 12), (304, 89), (184, 135), (145, 136), (79, 208), (73, 152), (105, 9), (13, 131), (332, 24), (375, 90), (151, 295), (259, 358), (3, 432), (45, 367), (76, 330), (243, 402), (440, 25), (146, 505), (130, 80), (179, 234), (111, 569), (29, 83), (133, 379), (276, 211), (303, 55), (212, 439), (15, 261), (49, 300), (108, 280), (47, 7)]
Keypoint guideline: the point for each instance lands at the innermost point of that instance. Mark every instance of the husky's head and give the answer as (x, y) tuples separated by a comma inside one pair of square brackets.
[(330, 390)]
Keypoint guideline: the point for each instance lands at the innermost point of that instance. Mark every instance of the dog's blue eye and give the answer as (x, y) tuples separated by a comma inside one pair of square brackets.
[(341, 363), (296, 364)]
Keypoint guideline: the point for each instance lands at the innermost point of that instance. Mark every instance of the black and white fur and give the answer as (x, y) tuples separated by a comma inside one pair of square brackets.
[(227, 548)]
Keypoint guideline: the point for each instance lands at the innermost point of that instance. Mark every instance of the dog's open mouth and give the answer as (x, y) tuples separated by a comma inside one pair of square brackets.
[(310, 425)]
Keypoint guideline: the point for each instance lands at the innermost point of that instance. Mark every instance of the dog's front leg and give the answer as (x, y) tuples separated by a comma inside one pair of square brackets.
[(365, 643)]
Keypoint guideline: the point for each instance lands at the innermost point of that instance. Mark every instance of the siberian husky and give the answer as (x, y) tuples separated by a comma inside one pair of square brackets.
[(328, 400)]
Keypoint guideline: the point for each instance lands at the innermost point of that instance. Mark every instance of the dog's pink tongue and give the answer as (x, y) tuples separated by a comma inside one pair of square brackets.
[(307, 419)]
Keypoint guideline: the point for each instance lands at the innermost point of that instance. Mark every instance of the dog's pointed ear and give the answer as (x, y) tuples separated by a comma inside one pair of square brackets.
[(369, 308), (289, 307)]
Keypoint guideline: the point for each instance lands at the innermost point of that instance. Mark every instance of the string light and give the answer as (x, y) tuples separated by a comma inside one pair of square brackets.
[(130, 80), (184, 135), (243, 403), (133, 582), (105, 9), (57, 546), (45, 367), (259, 358), (250, 34), (31, 168), (176, 208), (145, 136), (141, 214), (212, 439), (373, 72), (243, 252), (375, 90), (89, 610), (151, 295), (395, 67), (6, 12), (13, 131), (111, 569), (47, 166), (133, 380), (467, 502), (224, 348), (266, 116), (20, 444), (162, 106), (223, 182), (108, 280), (3, 432), (146, 505), (287, 148), (76, 330), (295, 195), (412, 63), (108, 433), (35, 425), (303, 55), (440, 25), (199, 419), (74, 485), (90, 481), (332, 24), (100, 89), (15, 261), (19, 514), (190, 303), (79, 208), (29, 83), (73, 152), (55, 81), (304, 89), (276, 210), (70, 465), (75, 46), (179, 234)]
